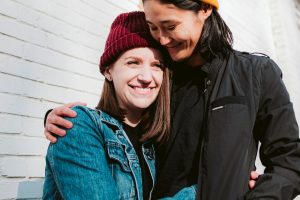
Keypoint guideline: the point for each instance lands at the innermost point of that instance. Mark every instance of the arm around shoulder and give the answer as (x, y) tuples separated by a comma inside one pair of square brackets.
[(78, 161)]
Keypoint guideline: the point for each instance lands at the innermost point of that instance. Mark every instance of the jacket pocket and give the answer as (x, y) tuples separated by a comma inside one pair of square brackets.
[(223, 101), (117, 154), (227, 148)]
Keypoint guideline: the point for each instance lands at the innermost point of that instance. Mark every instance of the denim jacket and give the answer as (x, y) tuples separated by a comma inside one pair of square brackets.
[(95, 160)]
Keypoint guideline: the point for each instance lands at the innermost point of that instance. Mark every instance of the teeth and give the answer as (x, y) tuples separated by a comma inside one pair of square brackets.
[(142, 89)]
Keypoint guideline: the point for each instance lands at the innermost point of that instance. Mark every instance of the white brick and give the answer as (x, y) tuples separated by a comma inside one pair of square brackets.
[(107, 8), (96, 10), (19, 166), (51, 24), (53, 77), (22, 31), (41, 38), (10, 8), (48, 57), (19, 105), (71, 48), (21, 125), (28, 146), (90, 23), (39, 90), (249, 30), (58, 60), (5, 125), (11, 45), (21, 189), (129, 5)]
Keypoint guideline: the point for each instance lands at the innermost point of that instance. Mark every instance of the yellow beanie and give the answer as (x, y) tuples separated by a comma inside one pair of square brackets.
[(214, 3)]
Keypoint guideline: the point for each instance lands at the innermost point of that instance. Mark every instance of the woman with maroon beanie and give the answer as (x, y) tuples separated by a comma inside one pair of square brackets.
[(109, 152)]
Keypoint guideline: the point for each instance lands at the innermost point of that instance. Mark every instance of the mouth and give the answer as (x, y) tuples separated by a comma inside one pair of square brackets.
[(173, 46), (142, 90)]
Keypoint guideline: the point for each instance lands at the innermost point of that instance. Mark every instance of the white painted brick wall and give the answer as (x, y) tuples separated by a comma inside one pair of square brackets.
[(49, 54)]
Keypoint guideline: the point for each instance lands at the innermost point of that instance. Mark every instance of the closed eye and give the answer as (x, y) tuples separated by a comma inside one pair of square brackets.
[(132, 62), (152, 28), (159, 65), (171, 28)]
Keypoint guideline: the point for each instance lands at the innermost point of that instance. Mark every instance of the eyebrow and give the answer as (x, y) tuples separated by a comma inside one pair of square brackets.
[(163, 22), (131, 57), (138, 58)]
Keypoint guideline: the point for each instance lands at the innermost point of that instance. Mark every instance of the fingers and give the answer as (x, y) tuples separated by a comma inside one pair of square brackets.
[(55, 120), (49, 137), (62, 111), (77, 103), (252, 184), (54, 130), (253, 178), (254, 175)]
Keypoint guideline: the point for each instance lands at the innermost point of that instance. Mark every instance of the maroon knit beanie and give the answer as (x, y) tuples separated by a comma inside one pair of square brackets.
[(128, 31)]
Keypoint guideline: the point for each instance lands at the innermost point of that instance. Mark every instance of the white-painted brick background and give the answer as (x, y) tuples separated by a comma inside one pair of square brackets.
[(49, 54)]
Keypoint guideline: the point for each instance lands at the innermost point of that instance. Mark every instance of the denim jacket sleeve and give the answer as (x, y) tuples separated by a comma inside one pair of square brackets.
[(277, 130), (77, 165)]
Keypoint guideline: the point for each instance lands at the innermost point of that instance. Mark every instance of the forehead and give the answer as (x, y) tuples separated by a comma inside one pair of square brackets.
[(157, 12), (142, 53)]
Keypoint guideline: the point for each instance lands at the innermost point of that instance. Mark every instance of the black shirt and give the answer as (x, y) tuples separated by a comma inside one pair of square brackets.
[(134, 134), (178, 159)]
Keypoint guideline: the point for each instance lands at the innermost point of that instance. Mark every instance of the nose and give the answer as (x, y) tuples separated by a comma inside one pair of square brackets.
[(145, 75), (164, 40)]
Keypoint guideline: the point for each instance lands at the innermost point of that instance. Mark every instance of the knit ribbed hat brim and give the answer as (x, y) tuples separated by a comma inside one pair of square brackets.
[(128, 31)]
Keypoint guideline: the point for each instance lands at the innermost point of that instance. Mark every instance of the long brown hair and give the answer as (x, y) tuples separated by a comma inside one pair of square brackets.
[(155, 122)]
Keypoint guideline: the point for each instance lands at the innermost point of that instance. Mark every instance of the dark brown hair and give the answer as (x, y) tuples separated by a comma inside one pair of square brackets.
[(155, 122)]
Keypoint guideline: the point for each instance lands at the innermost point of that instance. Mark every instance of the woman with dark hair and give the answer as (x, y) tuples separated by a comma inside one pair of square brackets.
[(223, 103)]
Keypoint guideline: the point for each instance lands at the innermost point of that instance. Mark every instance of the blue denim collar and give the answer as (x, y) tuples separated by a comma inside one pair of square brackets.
[(110, 120)]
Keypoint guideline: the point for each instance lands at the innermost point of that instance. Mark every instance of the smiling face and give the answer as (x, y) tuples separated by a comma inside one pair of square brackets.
[(137, 76), (177, 29)]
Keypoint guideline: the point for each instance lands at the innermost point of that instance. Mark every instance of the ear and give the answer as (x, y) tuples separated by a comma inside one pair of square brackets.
[(107, 74), (205, 13)]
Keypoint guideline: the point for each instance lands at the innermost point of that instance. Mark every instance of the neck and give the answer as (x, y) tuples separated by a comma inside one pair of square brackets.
[(195, 60), (133, 118)]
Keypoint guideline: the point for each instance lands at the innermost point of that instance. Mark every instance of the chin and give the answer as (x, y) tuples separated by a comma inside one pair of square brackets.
[(142, 105), (178, 57)]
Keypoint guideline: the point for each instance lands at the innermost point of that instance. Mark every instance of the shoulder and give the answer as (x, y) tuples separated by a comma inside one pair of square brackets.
[(85, 112), (94, 116), (256, 59), (260, 64)]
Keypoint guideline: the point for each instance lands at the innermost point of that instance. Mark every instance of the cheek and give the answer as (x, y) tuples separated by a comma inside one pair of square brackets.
[(198, 31), (184, 34), (118, 88), (155, 35), (159, 78), (119, 84)]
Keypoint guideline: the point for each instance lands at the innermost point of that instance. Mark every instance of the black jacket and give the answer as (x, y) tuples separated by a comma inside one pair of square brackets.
[(247, 104)]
